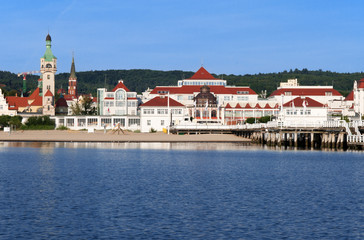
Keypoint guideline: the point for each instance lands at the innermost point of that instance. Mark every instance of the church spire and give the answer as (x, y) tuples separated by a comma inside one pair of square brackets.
[(72, 81), (73, 69)]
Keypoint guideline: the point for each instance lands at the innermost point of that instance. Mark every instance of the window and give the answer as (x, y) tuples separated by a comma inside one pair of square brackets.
[(120, 103), (179, 97), (162, 122), (48, 77), (105, 121), (242, 98), (288, 93), (226, 98), (48, 65), (134, 121), (149, 122), (1, 107), (162, 111), (92, 122), (70, 122), (176, 111), (190, 97), (328, 93), (119, 95), (242, 92), (148, 111), (162, 92), (110, 95)]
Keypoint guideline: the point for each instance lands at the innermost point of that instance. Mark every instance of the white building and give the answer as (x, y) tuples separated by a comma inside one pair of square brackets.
[(161, 112), (120, 101), (304, 110), (188, 89), (4, 107)]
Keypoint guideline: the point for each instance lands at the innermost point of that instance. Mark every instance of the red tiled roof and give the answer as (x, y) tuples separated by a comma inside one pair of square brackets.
[(190, 89), (267, 106), (306, 91), (228, 106), (238, 106), (298, 103), (16, 102), (61, 102), (69, 97), (361, 83), (38, 101), (48, 94), (350, 96), (202, 74), (34, 94), (120, 85), (247, 106), (162, 102)]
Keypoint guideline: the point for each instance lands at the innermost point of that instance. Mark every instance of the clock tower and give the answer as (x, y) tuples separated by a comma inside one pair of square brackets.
[(48, 68)]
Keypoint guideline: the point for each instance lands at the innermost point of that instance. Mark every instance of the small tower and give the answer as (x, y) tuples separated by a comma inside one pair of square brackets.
[(48, 68), (72, 81)]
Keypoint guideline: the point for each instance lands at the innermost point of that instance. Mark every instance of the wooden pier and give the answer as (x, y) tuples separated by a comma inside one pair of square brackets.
[(331, 134)]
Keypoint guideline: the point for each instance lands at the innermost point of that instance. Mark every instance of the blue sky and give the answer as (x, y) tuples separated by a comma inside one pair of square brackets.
[(231, 37)]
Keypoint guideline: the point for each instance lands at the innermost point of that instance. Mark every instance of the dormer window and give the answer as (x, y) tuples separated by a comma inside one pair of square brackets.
[(288, 93)]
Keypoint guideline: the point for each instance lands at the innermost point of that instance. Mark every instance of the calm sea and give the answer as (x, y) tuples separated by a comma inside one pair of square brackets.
[(178, 191)]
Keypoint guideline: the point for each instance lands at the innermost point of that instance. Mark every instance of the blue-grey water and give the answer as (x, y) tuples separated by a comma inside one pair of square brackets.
[(121, 191)]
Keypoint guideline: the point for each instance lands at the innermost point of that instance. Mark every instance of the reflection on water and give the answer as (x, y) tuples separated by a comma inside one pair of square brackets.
[(47, 147)]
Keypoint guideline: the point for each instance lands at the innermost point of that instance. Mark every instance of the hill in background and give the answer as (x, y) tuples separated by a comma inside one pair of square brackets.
[(140, 79)]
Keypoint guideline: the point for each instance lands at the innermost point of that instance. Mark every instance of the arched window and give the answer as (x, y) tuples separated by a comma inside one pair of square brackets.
[(198, 113), (49, 65), (213, 113), (119, 95)]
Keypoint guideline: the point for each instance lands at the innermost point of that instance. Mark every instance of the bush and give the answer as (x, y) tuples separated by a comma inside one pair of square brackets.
[(264, 119), (250, 120), (6, 121), (62, 128), (39, 123), (152, 130)]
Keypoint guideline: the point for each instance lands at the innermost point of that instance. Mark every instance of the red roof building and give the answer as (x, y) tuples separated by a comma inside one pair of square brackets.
[(303, 102), (162, 101)]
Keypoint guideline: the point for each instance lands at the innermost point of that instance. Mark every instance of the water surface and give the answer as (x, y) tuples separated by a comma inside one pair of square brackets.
[(201, 192)]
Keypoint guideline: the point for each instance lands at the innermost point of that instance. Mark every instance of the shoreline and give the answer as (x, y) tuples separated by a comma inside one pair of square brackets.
[(110, 137)]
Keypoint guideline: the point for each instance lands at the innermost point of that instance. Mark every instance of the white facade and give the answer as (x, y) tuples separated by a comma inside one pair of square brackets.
[(158, 114), (119, 101), (4, 107)]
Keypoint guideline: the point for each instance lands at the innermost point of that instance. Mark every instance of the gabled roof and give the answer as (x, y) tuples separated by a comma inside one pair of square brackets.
[(121, 85), (267, 106), (34, 94), (361, 83), (298, 103), (48, 94), (276, 106), (306, 91), (238, 106), (38, 101), (162, 101), (228, 106), (15, 102), (257, 106), (190, 89), (202, 74), (247, 106), (61, 102), (350, 96)]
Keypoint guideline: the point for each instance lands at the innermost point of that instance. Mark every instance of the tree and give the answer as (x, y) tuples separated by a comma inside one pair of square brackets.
[(83, 107)]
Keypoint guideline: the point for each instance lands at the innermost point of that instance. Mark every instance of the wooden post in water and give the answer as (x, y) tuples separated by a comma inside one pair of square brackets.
[(295, 136), (312, 140)]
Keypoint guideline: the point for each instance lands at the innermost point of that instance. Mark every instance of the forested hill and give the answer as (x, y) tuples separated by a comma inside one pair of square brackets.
[(140, 79)]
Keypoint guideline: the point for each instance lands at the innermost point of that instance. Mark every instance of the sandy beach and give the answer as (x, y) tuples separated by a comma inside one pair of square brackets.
[(100, 136)]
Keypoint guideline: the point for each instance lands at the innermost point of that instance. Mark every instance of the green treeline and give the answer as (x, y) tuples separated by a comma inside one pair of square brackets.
[(140, 79)]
